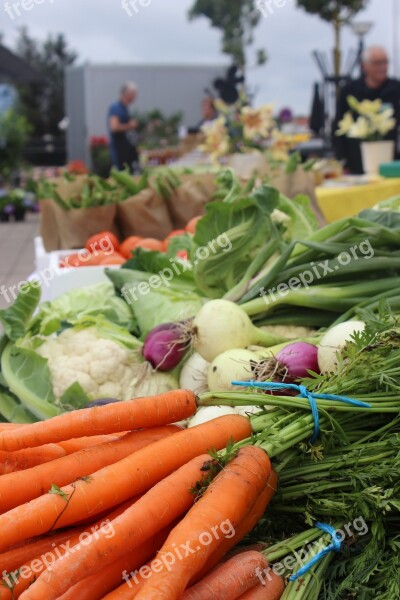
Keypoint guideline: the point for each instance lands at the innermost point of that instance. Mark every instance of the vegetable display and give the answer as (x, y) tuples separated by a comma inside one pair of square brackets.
[(273, 472)]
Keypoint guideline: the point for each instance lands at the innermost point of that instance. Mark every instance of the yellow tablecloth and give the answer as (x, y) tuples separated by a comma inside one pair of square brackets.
[(337, 203)]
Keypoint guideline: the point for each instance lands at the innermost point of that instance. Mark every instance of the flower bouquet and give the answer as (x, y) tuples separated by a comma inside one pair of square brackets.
[(374, 122)]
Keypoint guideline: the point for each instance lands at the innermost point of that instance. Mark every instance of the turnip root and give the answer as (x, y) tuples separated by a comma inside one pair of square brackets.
[(333, 341), (222, 325)]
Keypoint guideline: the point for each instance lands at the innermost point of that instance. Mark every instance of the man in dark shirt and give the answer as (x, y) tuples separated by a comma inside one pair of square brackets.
[(123, 152), (375, 84)]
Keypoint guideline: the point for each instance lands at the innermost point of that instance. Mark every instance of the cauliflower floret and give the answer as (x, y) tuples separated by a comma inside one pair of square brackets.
[(101, 366)]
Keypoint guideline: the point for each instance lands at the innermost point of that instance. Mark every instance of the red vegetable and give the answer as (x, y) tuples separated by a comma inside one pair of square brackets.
[(299, 358)]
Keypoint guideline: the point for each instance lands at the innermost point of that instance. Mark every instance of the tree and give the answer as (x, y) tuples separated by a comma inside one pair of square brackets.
[(237, 20), (337, 12), (43, 102)]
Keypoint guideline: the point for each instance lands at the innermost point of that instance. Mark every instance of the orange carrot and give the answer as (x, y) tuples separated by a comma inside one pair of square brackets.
[(30, 457), (272, 590), (130, 588), (12, 559), (77, 444), (242, 529), (20, 580), (230, 579), (225, 502), (22, 486), (99, 584), (140, 413), (114, 484), (128, 591), (10, 426), (162, 505)]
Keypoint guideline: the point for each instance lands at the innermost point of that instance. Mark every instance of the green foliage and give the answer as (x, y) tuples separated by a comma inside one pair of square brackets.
[(43, 101), (237, 21), (14, 133), (333, 10)]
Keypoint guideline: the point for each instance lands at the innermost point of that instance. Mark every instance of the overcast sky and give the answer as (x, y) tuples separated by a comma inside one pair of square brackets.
[(158, 32)]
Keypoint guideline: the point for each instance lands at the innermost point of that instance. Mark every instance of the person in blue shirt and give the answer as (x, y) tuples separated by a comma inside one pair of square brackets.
[(120, 125)]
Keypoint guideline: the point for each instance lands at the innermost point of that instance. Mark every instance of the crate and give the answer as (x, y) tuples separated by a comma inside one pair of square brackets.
[(55, 280)]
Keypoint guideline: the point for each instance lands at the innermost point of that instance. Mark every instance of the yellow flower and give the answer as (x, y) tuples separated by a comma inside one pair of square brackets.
[(384, 122), (222, 107), (367, 107), (345, 125), (216, 142), (361, 129), (257, 122)]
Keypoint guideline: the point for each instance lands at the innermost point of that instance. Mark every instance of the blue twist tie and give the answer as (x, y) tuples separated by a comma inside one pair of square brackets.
[(304, 393), (335, 546)]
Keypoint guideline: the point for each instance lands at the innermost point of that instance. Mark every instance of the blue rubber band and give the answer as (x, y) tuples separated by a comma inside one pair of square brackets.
[(304, 393), (335, 546)]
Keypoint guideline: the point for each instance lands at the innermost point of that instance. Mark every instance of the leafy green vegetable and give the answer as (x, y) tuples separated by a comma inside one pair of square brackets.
[(107, 329), (16, 318), (227, 239), (162, 305), (99, 299), (152, 262), (389, 204), (28, 377), (74, 398), (13, 411)]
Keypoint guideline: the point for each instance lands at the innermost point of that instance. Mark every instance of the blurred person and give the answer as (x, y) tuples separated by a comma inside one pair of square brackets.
[(375, 84), (120, 127), (208, 112)]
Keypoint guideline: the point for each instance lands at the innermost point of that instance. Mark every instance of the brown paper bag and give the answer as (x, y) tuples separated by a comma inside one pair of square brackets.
[(289, 184), (190, 198), (75, 226), (145, 214), (48, 226), (68, 189)]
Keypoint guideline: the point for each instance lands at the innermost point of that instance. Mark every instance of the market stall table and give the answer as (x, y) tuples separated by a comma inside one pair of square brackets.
[(339, 200)]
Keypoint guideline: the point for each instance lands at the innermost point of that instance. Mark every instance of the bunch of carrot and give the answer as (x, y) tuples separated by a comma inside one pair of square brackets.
[(94, 497)]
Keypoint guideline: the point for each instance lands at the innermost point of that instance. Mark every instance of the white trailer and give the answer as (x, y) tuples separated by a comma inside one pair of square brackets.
[(90, 89)]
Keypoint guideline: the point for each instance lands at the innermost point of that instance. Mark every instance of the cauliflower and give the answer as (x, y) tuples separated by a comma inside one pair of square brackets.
[(101, 366)]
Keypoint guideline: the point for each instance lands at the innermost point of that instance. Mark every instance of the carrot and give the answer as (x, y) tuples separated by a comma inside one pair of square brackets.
[(231, 579), (248, 523), (130, 588), (225, 502), (20, 580), (99, 584), (76, 444), (162, 505), (10, 426), (29, 457), (22, 486), (113, 484), (127, 591), (12, 559), (272, 590), (140, 413)]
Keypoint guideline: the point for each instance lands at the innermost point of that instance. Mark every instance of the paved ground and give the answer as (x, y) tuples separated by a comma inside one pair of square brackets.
[(16, 254)]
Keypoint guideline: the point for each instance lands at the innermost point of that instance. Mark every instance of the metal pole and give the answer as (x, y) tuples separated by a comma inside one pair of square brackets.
[(396, 38)]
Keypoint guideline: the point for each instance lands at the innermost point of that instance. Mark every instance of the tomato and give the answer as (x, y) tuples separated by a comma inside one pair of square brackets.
[(128, 245), (97, 257), (104, 241), (183, 254), (77, 259), (114, 259), (150, 244), (191, 226)]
